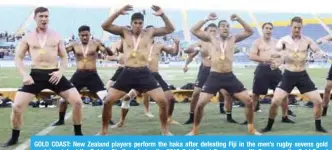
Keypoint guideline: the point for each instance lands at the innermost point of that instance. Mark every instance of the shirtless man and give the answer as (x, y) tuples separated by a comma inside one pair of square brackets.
[(328, 87), (86, 52), (136, 74), (125, 100), (263, 51), (44, 46), (203, 74), (117, 48), (153, 62), (221, 75), (295, 48)]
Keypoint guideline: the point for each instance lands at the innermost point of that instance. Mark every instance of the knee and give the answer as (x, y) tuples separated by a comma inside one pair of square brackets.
[(162, 102), (17, 109), (276, 102), (108, 99), (318, 102), (228, 98), (77, 104), (201, 103), (249, 102)]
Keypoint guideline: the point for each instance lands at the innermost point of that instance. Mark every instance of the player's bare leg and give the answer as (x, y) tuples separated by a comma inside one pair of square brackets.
[(111, 98), (159, 97), (204, 98), (327, 97)]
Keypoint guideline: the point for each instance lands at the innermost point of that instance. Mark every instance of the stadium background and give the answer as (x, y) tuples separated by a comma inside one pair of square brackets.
[(16, 20), (66, 21)]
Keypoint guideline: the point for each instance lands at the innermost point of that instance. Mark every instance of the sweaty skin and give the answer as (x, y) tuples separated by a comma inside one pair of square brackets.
[(221, 52), (39, 59), (88, 62), (204, 50), (136, 43), (296, 52), (156, 51)]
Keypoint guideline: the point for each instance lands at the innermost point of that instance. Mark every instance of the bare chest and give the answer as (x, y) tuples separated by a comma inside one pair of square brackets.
[(89, 50)]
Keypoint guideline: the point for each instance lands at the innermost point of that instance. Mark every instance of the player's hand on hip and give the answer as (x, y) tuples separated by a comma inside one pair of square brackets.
[(27, 80), (158, 10), (55, 77), (124, 10)]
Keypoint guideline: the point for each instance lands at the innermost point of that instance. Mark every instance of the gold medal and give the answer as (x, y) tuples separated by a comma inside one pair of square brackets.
[(295, 55), (136, 43), (223, 46), (133, 53), (42, 51), (42, 43), (85, 60), (222, 57)]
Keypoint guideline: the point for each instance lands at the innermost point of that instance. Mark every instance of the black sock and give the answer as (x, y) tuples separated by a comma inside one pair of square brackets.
[(15, 134), (229, 115), (221, 105), (318, 124), (62, 116), (78, 130), (270, 123), (258, 105), (324, 111), (191, 115)]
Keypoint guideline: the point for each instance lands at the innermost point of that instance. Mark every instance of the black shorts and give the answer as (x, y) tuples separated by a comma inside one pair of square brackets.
[(89, 79), (217, 81), (116, 74), (265, 78), (161, 81), (138, 78), (203, 74), (329, 76), (301, 80), (41, 78)]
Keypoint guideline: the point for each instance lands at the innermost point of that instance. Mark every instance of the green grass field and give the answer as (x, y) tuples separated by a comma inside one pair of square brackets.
[(137, 123)]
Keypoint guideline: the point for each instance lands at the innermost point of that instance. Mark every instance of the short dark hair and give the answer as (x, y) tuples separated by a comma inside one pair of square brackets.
[(221, 21), (84, 28), (149, 26), (211, 25), (297, 19), (267, 23), (137, 15), (40, 10)]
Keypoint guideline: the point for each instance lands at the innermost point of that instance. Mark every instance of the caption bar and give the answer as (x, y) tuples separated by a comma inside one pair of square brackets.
[(181, 142)]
